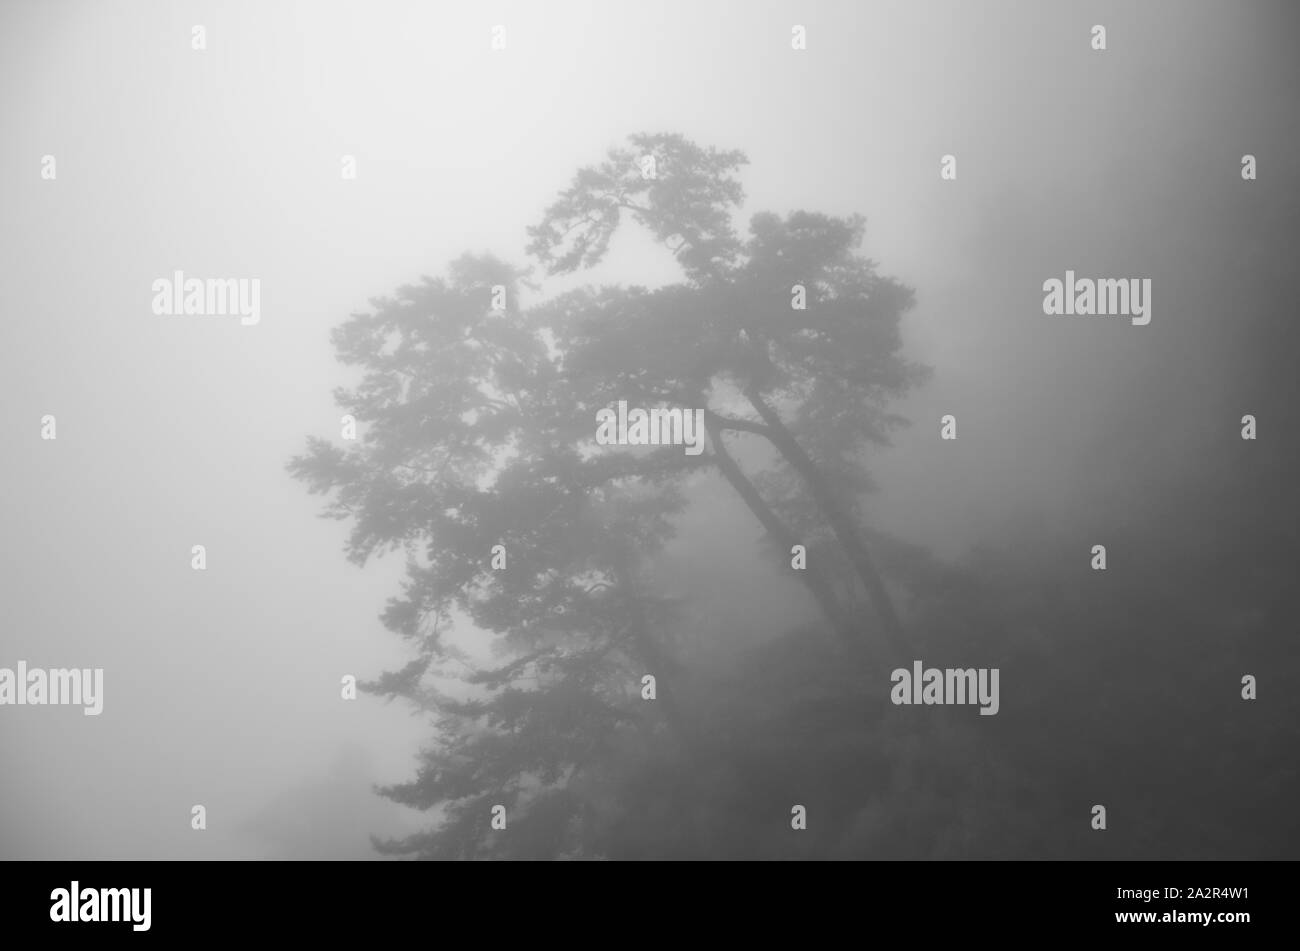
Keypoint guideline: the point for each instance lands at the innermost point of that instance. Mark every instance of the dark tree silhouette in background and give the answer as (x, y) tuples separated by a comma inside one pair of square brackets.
[(478, 430)]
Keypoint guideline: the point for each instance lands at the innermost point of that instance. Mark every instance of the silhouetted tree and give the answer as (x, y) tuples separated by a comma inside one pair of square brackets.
[(477, 430)]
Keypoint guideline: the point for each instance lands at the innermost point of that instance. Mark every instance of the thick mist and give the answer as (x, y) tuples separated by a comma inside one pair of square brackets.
[(222, 686)]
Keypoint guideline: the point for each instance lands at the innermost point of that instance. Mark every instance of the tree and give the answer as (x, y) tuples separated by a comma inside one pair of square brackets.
[(478, 432), (729, 334)]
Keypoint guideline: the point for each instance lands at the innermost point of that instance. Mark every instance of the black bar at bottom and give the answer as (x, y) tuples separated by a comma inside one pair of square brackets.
[(464, 902)]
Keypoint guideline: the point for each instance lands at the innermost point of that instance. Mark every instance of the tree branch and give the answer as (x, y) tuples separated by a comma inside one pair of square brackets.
[(713, 421)]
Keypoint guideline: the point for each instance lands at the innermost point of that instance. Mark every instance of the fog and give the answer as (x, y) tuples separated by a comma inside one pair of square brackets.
[(222, 687)]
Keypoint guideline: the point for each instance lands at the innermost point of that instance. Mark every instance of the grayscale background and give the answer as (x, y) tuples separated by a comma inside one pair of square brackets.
[(222, 687)]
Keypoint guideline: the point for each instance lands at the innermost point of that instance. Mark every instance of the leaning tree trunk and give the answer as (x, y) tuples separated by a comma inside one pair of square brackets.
[(815, 583), (841, 521)]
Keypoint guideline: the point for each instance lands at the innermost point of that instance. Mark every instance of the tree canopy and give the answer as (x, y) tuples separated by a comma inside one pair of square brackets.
[(477, 430)]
